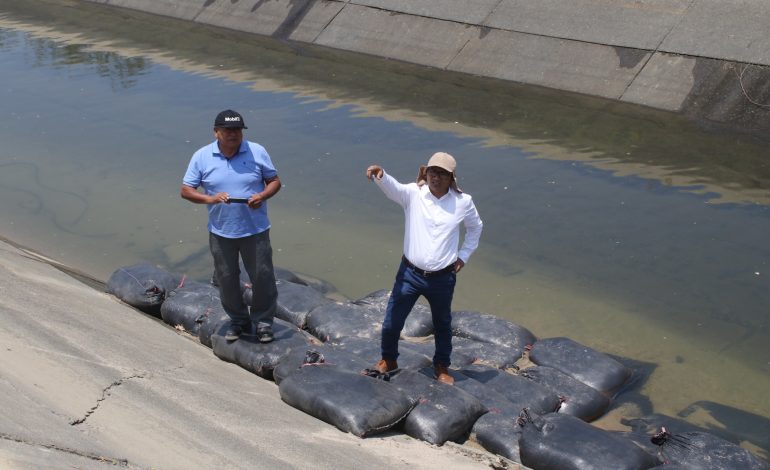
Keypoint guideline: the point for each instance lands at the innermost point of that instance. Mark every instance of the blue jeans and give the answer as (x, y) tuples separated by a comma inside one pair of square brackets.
[(438, 291), (257, 256)]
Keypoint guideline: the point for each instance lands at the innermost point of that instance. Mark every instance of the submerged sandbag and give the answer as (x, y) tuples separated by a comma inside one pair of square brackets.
[(336, 320), (483, 327), (754, 431), (419, 323), (559, 441), (190, 305), (578, 399), (443, 413), (704, 451), (352, 402), (259, 358), (143, 286), (589, 366), (519, 391)]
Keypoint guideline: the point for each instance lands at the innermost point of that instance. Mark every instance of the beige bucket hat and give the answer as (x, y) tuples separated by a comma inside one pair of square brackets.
[(442, 160)]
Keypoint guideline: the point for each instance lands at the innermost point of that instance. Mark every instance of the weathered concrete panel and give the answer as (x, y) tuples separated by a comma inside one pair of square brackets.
[(555, 63), (397, 36), (730, 92), (664, 83), (640, 24), (182, 9), (298, 20), (463, 11), (738, 30)]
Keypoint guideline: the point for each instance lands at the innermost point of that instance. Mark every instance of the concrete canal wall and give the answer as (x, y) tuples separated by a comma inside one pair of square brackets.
[(706, 58)]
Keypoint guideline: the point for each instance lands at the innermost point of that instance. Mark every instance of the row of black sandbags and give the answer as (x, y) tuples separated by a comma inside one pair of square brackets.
[(324, 379)]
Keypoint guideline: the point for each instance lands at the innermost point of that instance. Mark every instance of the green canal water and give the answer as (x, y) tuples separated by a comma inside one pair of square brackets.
[(636, 232)]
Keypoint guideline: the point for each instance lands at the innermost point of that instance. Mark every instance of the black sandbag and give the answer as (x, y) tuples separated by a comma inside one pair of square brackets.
[(485, 353), (256, 357), (279, 273), (143, 286), (644, 427), (427, 348), (332, 356), (296, 301), (498, 432), (578, 399), (488, 328), (211, 324), (704, 451), (352, 402), (335, 320), (282, 274), (369, 350), (593, 368), (190, 305), (519, 391), (489, 397), (419, 323), (443, 413), (560, 441)]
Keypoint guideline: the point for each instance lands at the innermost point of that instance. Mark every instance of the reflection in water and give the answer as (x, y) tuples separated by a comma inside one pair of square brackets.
[(121, 71), (623, 139), (600, 218)]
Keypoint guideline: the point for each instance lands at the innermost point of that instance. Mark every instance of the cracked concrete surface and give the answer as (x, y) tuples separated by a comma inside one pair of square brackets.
[(65, 458), (105, 394), (87, 382)]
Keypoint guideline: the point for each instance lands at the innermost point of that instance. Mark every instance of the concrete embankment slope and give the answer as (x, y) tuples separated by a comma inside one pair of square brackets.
[(706, 58), (87, 382)]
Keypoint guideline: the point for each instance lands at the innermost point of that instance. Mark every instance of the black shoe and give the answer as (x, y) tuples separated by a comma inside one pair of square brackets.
[(233, 333), (265, 335)]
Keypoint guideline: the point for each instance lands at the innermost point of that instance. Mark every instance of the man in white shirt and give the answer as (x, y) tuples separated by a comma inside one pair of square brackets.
[(434, 208)]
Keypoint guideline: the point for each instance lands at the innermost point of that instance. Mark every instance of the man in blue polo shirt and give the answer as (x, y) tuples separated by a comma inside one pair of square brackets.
[(237, 178)]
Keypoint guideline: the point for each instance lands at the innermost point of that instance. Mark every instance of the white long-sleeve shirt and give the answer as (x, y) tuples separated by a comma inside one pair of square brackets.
[(432, 229)]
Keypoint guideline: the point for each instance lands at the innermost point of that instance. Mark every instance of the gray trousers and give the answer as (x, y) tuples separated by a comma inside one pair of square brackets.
[(257, 256)]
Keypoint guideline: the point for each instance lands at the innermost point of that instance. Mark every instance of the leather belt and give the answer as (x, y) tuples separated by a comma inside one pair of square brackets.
[(425, 273)]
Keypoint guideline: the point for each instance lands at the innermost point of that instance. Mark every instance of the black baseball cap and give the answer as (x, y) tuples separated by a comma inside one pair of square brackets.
[(230, 119)]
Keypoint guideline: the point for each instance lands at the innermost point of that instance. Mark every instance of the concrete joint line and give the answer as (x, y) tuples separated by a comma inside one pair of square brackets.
[(459, 51), (331, 20), (105, 394), (203, 8), (491, 12), (396, 12), (87, 455), (657, 49), (663, 39)]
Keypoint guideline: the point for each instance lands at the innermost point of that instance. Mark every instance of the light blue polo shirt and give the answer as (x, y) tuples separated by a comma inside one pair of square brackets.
[(240, 176)]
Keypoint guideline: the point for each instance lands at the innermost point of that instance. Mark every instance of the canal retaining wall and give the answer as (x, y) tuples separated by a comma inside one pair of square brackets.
[(705, 58)]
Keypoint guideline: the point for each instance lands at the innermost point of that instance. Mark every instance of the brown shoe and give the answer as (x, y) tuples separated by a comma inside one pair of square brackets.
[(385, 365), (441, 373)]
